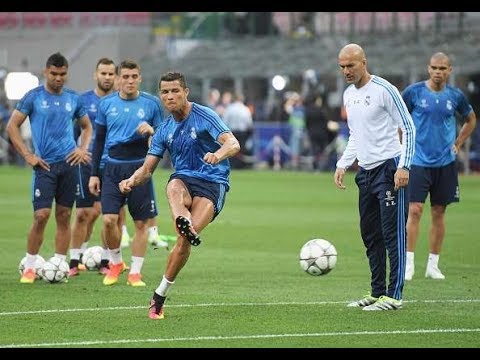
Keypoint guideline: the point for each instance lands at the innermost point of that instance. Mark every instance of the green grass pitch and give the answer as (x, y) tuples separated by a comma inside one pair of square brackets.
[(243, 286)]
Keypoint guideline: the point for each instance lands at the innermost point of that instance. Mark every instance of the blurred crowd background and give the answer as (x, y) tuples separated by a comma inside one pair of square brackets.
[(272, 76)]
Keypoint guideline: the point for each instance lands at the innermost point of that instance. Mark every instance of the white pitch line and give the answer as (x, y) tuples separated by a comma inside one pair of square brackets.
[(241, 337), (282, 303)]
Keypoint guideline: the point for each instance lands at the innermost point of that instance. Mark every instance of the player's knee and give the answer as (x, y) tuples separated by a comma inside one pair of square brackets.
[(415, 211)]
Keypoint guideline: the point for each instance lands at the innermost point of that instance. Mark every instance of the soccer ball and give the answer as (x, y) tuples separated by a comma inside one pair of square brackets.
[(318, 257), (55, 270), (92, 257), (38, 265)]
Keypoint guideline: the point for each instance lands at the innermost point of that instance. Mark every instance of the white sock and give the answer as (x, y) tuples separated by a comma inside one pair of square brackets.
[(83, 247), (152, 231), (116, 256), (60, 256), (410, 258), (105, 254), (136, 265), (433, 260), (164, 286), (30, 262), (75, 254)]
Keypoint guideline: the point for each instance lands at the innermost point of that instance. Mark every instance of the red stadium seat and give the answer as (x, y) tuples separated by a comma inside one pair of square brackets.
[(342, 22), (8, 20), (383, 21), (363, 21), (86, 19), (137, 18), (59, 19), (34, 19)]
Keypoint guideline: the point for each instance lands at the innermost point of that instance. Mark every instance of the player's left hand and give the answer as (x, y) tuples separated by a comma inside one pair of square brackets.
[(79, 156), (455, 149), (211, 158), (125, 186)]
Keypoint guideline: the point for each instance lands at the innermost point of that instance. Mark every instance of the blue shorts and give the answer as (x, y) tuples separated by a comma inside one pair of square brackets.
[(215, 192), (59, 183), (440, 182), (141, 200), (85, 198)]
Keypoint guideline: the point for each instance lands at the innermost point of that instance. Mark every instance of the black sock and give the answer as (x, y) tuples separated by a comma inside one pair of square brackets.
[(74, 263), (158, 298)]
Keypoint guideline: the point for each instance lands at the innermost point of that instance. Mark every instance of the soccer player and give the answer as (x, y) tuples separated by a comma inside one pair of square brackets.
[(199, 144), (52, 109), (87, 205), (375, 113), (433, 105), (125, 122)]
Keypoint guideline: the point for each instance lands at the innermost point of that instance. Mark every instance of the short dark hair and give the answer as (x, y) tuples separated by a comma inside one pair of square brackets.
[(128, 64), (172, 76), (57, 60), (104, 61)]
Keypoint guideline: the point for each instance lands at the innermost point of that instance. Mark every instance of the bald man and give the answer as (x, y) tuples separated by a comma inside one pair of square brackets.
[(375, 113), (434, 105)]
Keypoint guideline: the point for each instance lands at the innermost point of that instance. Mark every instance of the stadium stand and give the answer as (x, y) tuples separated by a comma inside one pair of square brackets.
[(8, 20)]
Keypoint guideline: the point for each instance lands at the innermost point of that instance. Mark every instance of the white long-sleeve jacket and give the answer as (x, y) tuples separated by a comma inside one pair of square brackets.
[(375, 112)]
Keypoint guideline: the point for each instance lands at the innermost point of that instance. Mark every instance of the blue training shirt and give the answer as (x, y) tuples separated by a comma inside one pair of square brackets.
[(121, 117), (189, 140), (51, 121), (434, 116), (90, 101)]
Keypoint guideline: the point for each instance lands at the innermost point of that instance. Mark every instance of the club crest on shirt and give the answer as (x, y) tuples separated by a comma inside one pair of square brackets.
[(68, 107), (193, 133), (367, 100), (423, 103), (449, 105), (141, 113)]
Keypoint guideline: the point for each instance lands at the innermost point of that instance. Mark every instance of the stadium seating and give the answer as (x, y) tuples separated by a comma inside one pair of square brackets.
[(59, 19), (137, 18), (34, 19), (8, 20)]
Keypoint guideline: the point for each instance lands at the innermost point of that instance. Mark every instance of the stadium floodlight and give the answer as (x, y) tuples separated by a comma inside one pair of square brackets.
[(279, 82), (18, 84)]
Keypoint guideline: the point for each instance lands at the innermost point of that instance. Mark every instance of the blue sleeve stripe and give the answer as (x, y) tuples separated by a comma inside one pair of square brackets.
[(402, 110), (212, 119), (401, 242)]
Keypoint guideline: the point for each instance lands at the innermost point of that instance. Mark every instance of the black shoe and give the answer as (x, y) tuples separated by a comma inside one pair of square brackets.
[(184, 226), (74, 263), (155, 311)]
